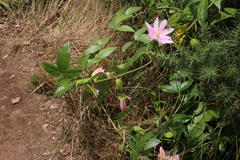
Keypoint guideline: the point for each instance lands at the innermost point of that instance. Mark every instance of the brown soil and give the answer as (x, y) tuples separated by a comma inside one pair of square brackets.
[(22, 135), (39, 127)]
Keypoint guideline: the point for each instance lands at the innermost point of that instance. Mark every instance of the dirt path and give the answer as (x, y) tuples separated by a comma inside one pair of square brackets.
[(22, 134)]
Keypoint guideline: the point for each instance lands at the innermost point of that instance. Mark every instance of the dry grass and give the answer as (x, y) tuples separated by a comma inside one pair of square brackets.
[(43, 26), (51, 23)]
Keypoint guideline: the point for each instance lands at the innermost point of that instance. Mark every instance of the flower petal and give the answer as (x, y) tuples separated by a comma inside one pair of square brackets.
[(155, 25), (122, 103), (164, 39), (98, 70), (161, 154), (177, 157), (163, 25), (167, 31), (149, 27)]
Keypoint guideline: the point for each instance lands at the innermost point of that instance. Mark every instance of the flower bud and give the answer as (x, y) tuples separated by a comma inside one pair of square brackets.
[(118, 83), (194, 43)]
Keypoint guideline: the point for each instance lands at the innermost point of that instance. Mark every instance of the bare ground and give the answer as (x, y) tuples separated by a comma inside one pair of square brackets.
[(39, 127), (24, 125)]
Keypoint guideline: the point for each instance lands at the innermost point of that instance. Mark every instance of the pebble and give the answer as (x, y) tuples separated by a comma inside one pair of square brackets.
[(26, 43), (46, 153), (16, 100), (2, 107), (5, 57), (53, 106), (12, 76), (45, 127)]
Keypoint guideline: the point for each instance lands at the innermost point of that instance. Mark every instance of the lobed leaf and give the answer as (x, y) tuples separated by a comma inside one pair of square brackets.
[(51, 69), (63, 57)]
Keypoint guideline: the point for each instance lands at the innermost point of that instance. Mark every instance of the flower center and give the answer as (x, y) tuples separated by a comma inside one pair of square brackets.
[(158, 33)]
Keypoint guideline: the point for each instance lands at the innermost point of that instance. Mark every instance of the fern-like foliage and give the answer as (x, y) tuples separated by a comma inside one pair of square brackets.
[(215, 64)]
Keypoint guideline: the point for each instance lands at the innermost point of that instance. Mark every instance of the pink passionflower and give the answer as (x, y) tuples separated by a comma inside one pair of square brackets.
[(163, 156), (158, 32), (122, 103), (100, 70), (114, 145)]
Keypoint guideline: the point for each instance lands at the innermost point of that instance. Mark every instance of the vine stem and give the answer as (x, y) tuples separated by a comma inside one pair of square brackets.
[(197, 19), (123, 74)]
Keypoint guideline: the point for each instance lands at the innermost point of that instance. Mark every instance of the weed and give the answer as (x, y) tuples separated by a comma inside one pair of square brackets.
[(16, 46)]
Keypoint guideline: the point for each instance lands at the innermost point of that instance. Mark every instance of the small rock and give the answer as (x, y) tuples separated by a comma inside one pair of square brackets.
[(16, 100), (54, 132), (27, 43), (45, 127), (46, 153), (17, 26), (53, 106), (2, 107), (4, 57), (12, 76), (55, 138)]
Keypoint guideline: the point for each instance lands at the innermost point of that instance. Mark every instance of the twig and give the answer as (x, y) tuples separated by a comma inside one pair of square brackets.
[(38, 87)]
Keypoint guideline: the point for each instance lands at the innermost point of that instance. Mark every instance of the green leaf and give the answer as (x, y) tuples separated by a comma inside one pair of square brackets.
[(117, 20), (140, 36), (101, 55), (83, 61), (63, 86), (174, 19), (51, 69), (168, 134), (98, 44), (217, 3), (222, 17), (120, 12), (132, 10), (126, 46), (133, 155), (124, 28), (101, 42), (222, 146), (141, 144), (206, 116), (200, 108), (202, 13), (72, 73), (185, 85), (82, 81), (176, 86), (196, 129), (151, 143), (181, 118), (63, 57), (93, 49), (144, 38), (134, 58), (231, 11), (137, 129)]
